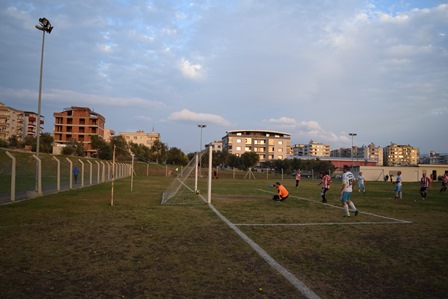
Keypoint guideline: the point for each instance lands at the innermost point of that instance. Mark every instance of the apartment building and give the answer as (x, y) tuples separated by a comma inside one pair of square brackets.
[(11, 122), (80, 124), (395, 155), (316, 149), (371, 152), (216, 146), (269, 145), (141, 137)]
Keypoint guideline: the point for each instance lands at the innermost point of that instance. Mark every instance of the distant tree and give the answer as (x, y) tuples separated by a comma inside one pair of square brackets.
[(46, 144), (176, 157), (249, 159), (234, 161), (13, 142), (3, 143), (30, 141), (103, 148), (159, 151), (73, 148), (121, 148), (220, 157)]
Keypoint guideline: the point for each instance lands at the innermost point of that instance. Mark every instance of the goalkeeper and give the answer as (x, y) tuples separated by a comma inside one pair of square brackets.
[(282, 192)]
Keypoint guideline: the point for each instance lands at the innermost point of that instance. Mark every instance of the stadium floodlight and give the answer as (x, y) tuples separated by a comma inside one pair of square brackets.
[(351, 151), (200, 142), (45, 26)]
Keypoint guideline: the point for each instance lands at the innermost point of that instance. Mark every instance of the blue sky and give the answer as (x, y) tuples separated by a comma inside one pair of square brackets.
[(315, 69)]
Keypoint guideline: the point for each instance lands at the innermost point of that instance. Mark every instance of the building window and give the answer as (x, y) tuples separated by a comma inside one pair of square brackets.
[(280, 142), (280, 150), (238, 141), (238, 148)]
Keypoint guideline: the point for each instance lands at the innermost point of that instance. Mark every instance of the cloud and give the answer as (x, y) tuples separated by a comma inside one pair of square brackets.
[(190, 70), (189, 116)]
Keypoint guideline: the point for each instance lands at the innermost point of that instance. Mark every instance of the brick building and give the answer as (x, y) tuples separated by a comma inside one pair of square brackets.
[(80, 124)]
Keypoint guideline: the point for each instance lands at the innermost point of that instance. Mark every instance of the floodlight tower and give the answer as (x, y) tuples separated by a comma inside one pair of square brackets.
[(351, 151), (200, 143), (44, 26)]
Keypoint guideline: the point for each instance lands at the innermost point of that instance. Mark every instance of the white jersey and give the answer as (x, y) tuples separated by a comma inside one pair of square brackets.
[(360, 180), (348, 178)]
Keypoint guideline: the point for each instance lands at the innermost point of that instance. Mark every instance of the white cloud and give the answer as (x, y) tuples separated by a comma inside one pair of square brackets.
[(189, 116), (190, 70)]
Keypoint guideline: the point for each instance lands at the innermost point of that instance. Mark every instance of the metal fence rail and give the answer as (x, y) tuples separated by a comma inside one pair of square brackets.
[(24, 175)]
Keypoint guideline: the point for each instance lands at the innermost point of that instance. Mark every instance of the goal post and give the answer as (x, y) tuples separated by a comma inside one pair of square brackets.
[(193, 183)]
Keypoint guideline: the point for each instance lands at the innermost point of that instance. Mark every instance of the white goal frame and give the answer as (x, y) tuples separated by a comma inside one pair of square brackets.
[(187, 188)]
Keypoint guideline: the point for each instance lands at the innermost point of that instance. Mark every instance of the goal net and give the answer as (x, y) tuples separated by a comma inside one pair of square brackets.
[(192, 184)]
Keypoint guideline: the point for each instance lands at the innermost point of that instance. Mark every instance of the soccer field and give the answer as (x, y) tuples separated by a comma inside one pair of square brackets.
[(74, 244)]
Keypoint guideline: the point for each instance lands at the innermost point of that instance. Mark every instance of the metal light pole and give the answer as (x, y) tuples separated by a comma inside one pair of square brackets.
[(200, 144), (45, 26), (351, 151)]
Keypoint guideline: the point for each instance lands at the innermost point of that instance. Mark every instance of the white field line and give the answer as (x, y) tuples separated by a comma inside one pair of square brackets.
[(393, 220), (300, 286)]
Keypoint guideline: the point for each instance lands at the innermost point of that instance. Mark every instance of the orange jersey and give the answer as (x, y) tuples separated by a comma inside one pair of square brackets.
[(282, 192)]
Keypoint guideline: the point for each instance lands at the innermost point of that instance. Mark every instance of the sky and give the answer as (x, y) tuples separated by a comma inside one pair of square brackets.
[(317, 70)]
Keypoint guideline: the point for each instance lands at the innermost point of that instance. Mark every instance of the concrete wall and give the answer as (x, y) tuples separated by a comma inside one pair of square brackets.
[(409, 174)]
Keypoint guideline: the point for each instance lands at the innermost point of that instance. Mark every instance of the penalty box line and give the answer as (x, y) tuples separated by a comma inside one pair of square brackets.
[(392, 220)]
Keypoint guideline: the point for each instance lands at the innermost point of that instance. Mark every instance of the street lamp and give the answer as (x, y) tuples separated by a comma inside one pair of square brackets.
[(200, 144), (351, 151), (45, 26)]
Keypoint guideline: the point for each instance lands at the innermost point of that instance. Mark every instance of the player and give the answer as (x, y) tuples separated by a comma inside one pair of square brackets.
[(361, 183), (282, 192), (398, 185), (325, 182), (346, 191), (444, 182), (297, 177), (425, 183)]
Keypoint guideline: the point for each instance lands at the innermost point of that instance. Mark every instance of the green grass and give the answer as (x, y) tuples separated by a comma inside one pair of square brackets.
[(74, 244)]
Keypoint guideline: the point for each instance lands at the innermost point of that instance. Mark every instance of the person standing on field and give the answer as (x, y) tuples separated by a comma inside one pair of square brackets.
[(425, 183), (325, 182), (346, 192), (361, 183), (75, 173), (297, 177), (444, 182), (398, 185), (282, 193)]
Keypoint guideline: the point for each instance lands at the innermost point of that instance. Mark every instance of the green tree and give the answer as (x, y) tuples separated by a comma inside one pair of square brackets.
[(159, 151), (46, 144), (176, 157), (102, 147), (249, 159), (3, 143), (73, 147), (13, 141), (121, 148)]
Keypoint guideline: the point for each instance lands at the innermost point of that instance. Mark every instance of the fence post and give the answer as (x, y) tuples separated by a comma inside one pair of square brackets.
[(13, 177), (58, 175), (82, 172), (71, 173), (103, 173), (39, 175), (90, 171), (98, 172)]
